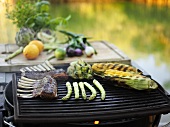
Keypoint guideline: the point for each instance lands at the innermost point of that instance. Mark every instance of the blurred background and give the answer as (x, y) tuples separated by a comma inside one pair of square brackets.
[(140, 28)]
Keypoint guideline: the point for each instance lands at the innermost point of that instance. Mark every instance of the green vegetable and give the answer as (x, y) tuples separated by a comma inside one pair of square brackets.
[(47, 35), (83, 92), (60, 53), (17, 52), (100, 87), (80, 70), (140, 83), (94, 93), (69, 91), (129, 80), (24, 36), (76, 90)]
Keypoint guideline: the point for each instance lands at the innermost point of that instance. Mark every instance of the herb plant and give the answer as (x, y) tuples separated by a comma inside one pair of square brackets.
[(34, 14)]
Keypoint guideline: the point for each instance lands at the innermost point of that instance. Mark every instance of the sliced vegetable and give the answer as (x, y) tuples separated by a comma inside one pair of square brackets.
[(76, 90), (69, 91), (100, 87), (94, 93), (83, 92)]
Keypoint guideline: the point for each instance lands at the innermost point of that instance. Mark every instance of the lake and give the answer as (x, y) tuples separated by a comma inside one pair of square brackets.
[(141, 31)]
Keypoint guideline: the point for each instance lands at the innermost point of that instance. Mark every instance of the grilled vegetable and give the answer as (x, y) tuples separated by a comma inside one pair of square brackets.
[(69, 91), (94, 93), (135, 81), (80, 70), (83, 92), (100, 87), (100, 68), (76, 90)]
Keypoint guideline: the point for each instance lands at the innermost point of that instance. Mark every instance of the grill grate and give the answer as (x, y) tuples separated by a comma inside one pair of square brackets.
[(120, 103)]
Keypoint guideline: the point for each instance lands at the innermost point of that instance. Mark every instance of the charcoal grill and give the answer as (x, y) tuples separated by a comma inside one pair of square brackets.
[(120, 106)]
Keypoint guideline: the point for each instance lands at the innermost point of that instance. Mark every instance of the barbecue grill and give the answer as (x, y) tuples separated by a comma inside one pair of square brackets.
[(122, 107)]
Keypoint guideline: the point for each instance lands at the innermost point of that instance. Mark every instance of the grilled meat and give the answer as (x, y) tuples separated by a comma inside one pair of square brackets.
[(46, 88), (58, 74), (49, 89), (100, 68), (41, 70)]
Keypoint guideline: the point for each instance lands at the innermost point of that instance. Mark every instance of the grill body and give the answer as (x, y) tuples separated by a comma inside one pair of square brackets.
[(120, 103)]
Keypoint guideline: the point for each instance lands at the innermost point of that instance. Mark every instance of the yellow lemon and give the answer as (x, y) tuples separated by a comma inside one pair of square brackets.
[(31, 51), (39, 44)]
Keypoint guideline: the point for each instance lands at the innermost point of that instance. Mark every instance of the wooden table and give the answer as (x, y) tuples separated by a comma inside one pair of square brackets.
[(107, 52)]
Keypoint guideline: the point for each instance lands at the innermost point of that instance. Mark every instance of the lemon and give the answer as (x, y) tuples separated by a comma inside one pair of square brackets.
[(39, 44), (31, 51)]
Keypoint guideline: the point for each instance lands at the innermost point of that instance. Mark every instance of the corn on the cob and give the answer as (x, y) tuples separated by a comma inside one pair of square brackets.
[(135, 81), (100, 68)]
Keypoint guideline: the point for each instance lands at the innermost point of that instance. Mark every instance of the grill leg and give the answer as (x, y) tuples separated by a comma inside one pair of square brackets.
[(156, 121), (1, 119)]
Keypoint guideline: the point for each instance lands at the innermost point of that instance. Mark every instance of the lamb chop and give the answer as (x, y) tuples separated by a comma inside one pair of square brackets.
[(41, 70), (46, 88), (58, 74)]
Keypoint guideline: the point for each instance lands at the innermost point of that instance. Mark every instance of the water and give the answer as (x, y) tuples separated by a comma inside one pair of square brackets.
[(141, 31)]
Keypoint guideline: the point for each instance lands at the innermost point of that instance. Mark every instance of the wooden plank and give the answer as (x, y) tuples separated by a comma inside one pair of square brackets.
[(107, 52), (4, 66)]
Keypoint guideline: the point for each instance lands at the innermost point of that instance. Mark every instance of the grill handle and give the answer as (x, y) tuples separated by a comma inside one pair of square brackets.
[(9, 120)]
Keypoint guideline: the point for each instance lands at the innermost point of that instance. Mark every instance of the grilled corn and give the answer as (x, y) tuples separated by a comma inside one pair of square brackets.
[(131, 80), (100, 68)]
